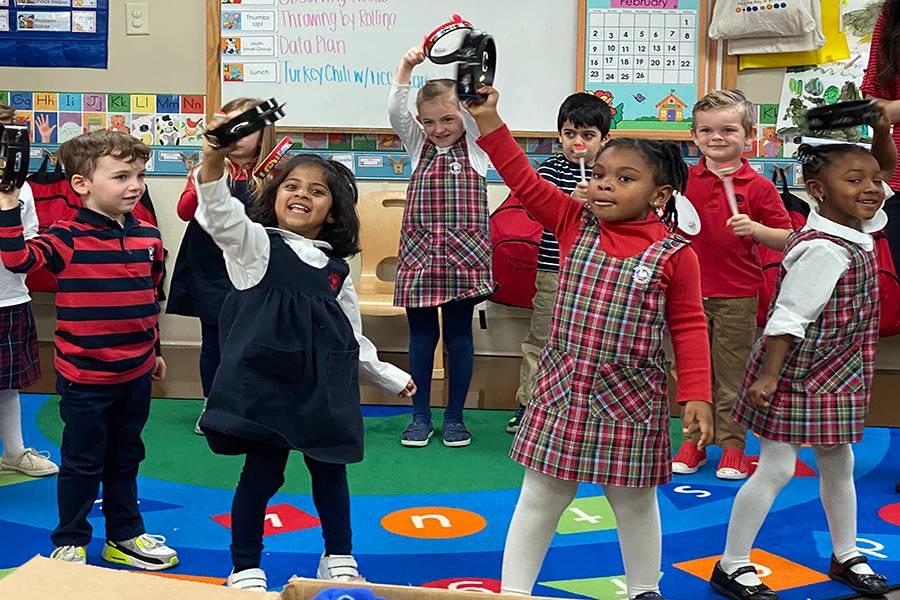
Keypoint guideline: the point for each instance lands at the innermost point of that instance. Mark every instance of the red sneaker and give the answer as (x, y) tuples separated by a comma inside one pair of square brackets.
[(733, 464), (688, 459)]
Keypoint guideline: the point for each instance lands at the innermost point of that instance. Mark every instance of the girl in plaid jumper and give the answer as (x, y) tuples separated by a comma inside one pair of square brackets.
[(599, 410), (445, 250), (810, 374)]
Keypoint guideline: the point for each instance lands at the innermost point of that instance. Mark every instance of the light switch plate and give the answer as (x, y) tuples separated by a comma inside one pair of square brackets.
[(137, 18)]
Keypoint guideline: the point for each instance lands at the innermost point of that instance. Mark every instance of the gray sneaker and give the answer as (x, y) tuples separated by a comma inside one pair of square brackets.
[(417, 434), (72, 554), (456, 435)]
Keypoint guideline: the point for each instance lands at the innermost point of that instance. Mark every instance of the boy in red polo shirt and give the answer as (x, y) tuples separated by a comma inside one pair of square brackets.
[(730, 272)]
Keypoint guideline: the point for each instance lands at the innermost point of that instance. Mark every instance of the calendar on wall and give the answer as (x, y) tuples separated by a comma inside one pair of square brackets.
[(647, 59)]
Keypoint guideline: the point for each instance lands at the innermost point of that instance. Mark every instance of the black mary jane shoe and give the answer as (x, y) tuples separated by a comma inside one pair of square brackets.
[(728, 585), (649, 596), (871, 586)]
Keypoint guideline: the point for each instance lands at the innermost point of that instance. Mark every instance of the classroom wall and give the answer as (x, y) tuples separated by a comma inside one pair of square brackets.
[(171, 60)]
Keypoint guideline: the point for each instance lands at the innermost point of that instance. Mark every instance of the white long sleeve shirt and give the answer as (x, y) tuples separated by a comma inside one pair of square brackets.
[(813, 268), (403, 120), (13, 290), (246, 248)]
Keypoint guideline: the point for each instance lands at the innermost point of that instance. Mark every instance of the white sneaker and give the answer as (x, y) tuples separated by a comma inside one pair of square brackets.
[(31, 463), (338, 567), (72, 554), (250, 580), (144, 552)]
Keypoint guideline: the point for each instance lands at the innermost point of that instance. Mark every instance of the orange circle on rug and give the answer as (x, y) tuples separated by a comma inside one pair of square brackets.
[(890, 513), (433, 522)]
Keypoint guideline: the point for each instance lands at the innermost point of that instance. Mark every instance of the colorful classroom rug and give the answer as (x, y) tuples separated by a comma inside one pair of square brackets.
[(438, 516)]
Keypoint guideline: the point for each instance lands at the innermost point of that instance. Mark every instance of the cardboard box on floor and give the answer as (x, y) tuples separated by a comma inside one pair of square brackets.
[(44, 579)]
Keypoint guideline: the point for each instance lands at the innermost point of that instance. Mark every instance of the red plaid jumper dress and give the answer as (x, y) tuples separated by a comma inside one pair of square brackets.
[(823, 392), (445, 249), (599, 411)]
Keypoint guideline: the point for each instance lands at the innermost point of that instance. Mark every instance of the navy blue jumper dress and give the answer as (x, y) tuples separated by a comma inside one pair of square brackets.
[(290, 363)]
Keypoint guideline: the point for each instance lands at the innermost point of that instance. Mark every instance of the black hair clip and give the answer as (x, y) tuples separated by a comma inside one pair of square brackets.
[(476, 55), (842, 115), (15, 150), (242, 125)]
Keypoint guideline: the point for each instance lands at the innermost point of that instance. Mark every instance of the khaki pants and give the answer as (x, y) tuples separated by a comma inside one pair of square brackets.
[(732, 331), (544, 300)]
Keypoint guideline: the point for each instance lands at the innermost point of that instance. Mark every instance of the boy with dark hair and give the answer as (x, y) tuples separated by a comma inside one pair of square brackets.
[(108, 265), (583, 119)]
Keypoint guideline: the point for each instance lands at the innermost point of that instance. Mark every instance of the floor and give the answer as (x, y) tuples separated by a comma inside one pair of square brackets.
[(494, 383)]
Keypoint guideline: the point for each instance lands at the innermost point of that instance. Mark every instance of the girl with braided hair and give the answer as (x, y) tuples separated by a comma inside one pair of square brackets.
[(810, 374), (599, 410)]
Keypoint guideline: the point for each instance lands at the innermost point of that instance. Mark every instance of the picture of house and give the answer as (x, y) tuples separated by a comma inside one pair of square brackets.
[(671, 108)]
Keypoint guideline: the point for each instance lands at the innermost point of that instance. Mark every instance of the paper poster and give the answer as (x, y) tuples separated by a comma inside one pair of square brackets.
[(192, 130), (84, 21), (45, 126), (119, 122), (44, 21), (84, 3), (4, 20), (93, 121)]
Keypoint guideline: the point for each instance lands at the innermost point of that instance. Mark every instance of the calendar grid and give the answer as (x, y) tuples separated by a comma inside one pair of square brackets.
[(642, 46)]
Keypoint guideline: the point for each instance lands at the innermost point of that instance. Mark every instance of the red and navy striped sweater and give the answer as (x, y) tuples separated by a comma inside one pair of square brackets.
[(107, 313)]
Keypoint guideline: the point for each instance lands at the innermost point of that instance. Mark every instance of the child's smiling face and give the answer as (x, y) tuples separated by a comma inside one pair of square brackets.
[(303, 202), (850, 190), (442, 120)]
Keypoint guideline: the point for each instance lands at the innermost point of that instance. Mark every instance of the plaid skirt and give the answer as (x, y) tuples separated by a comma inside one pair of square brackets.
[(20, 363)]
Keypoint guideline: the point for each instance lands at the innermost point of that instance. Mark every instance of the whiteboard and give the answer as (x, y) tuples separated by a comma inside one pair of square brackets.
[(332, 61)]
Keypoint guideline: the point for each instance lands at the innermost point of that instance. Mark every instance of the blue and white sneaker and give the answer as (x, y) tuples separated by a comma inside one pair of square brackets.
[(456, 435), (417, 434)]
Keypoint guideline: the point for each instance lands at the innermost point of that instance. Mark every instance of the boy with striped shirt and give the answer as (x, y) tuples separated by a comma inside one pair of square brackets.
[(583, 119), (108, 265)]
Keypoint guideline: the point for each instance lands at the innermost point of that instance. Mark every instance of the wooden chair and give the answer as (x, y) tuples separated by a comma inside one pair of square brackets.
[(380, 218)]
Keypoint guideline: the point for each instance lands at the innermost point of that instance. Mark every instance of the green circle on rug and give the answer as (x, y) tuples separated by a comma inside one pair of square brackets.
[(176, 454)]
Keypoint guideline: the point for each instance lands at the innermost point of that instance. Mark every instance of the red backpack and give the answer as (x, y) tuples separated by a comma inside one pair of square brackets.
[(55, 200), (515, 241), (888, 283)]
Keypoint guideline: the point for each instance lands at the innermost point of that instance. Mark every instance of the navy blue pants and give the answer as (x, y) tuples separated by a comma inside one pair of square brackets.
[(101, 443), (209, 355), (261, 478), (423, 337)]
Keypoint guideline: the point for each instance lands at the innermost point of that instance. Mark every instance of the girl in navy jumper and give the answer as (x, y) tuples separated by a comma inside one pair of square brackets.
[(199, 281), (292, 346), (810, 374)]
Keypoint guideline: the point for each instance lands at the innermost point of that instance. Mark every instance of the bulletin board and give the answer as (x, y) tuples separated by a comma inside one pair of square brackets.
[(650, 60), (54, 33), (332, 63)]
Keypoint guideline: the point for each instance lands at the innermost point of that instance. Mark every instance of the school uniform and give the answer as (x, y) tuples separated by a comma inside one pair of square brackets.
[(599, 411), (292, 346), (199, 280), (20, 364), (107, 343), (827, 297), (445, 251), (445, 248), (730, 277)]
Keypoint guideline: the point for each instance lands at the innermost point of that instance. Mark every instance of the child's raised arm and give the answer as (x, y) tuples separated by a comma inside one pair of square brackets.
[(20, 256), (244, 243), (544, 201), (403, 121)]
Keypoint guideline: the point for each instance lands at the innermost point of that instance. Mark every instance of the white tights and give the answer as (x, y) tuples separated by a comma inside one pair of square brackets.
[(541, 503), (777, 461), (11, 423)]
